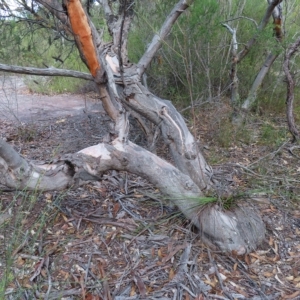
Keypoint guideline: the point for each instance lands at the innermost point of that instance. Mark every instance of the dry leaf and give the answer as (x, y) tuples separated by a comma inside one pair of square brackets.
[(48, 197), (292, 296), (297, 279), (171, 274), (268, 274), (235, 266), (138, 196), (159, 253), (247, 259), (271, 241), (140, 284), (132, 291), (289, 278), (116, 209), (92, 297), (20, 261)]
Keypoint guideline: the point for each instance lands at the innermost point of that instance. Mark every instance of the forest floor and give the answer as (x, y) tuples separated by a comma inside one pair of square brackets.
[(116, 238)]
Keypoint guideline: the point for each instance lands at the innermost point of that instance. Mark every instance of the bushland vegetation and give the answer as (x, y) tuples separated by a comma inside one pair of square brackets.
[(194, 66)]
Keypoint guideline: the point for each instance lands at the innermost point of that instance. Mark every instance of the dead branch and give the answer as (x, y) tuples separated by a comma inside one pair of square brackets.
[(159, 37), (45, 72)]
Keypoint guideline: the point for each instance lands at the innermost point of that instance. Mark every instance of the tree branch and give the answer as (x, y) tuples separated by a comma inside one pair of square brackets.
[(262, 25), (290, 89), (55, 8), (217, 227), (234, 86), (45, 72), (158, 38)]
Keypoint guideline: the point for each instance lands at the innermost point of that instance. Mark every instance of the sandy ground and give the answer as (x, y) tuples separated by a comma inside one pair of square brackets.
[(19, 104)]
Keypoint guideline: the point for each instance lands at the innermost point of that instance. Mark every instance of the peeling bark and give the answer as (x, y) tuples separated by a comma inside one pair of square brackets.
[(83, 35)]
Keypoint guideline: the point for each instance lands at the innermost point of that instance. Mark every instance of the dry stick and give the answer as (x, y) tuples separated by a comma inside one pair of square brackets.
[(49, 278), (21, 245), (271, 178), (87, 268), (269, 154), (218, 275), (262, 294), (107, 294)]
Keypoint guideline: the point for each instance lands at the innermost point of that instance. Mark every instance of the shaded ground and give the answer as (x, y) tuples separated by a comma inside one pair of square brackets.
[(117, 239)]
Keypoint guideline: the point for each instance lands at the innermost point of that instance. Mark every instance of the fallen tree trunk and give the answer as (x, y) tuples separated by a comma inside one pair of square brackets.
[(217, 227)]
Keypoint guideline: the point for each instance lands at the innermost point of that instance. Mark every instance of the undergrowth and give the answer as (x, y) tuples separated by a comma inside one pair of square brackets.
[(31, 213)]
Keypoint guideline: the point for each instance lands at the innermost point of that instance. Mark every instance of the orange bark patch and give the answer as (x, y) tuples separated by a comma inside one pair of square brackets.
[(277, 28), (83, 35)]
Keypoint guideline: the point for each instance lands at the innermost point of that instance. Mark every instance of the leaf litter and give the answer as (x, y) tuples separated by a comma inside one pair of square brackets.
[(117, 238)]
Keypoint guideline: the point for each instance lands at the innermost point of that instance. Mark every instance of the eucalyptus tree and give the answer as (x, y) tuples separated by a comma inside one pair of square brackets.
[(273, 9), (122, 93)]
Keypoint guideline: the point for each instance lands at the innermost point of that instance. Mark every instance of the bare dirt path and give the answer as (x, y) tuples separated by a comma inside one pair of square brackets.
[(17, 103)]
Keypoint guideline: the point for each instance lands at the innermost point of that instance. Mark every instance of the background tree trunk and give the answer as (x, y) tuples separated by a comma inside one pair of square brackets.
[(277, 21), (258, 81), (290, 89)]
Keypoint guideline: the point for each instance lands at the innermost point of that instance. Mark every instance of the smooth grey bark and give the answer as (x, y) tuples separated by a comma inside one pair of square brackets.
[(217, 227), (17, 173), (158, 38), (258, 80)]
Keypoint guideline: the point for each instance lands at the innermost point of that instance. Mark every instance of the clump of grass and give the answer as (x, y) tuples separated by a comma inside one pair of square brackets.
[(271, 135), (27, 133), (229, 134), (21, 233)]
